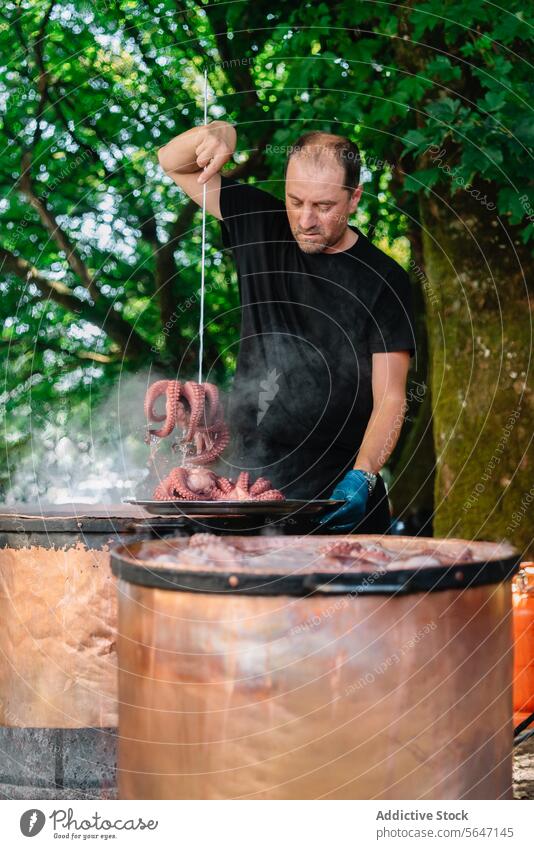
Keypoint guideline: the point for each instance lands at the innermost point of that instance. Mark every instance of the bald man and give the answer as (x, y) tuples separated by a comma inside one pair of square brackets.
[(326, 333)]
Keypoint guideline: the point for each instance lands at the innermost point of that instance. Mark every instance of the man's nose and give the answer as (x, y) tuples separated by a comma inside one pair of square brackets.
[(308, 219)]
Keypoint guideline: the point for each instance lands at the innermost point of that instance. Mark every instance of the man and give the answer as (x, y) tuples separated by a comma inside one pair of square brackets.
[(326, 323)]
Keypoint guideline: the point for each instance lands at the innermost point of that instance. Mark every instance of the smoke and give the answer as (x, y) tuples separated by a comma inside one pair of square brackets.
[(296, 411), (103, 458), (97, 460)]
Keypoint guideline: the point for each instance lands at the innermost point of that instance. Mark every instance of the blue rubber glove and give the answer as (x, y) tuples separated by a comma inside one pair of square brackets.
[(355, 490)]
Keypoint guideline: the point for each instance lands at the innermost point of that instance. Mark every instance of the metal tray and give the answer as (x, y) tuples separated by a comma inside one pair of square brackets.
[(236, 508)]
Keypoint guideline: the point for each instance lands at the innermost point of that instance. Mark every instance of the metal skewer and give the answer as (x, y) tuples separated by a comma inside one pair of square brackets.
[(203, 260)]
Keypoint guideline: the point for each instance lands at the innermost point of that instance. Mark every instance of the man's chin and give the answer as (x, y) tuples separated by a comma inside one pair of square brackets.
[(311, 246)]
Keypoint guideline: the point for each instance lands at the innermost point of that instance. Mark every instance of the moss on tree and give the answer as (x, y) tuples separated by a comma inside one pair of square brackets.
[(480, 334)]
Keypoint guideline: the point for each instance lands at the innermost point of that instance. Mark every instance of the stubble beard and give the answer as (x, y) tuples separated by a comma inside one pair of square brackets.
[(316, 246), (312, 246)]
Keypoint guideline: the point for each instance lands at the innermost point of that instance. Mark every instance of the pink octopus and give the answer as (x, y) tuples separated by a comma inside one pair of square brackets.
[(196, 408), (199, 484)]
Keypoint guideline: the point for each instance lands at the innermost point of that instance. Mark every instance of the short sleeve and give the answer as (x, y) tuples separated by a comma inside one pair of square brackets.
[(392, 320), (248, 213)]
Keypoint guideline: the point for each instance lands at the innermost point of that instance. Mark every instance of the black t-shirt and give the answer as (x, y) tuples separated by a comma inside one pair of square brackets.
[(310, 324)]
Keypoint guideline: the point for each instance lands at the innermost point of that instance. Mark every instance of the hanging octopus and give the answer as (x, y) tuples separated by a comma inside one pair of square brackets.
[(196, 409), (198, 484)]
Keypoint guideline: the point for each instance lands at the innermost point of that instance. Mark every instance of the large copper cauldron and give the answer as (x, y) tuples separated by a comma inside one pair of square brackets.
[(291, 677)]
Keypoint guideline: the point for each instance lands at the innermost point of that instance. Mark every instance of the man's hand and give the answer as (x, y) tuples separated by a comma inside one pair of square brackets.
[(214, 149), (185, 157), (191, 151), (355, 490)]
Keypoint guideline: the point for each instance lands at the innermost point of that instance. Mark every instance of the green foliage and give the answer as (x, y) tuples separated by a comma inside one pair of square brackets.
[(90, 90), (431, 78)]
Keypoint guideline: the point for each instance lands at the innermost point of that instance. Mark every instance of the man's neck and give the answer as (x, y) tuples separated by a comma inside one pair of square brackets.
[(348, 239)]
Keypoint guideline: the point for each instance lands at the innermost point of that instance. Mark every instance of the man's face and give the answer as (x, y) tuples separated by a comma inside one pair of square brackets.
[(318, 207)]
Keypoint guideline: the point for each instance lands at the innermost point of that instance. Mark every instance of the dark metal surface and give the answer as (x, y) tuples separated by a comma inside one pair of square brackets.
[(57, 518), (51, 526), (240, 508), (61, 526)]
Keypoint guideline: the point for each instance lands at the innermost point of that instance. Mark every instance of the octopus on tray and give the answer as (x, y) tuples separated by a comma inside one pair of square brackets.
[(371, 553), (196, 409), (200, 484), (428, 555), (305, 554)]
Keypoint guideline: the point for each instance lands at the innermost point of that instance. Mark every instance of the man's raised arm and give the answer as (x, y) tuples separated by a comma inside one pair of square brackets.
[(196, 157)]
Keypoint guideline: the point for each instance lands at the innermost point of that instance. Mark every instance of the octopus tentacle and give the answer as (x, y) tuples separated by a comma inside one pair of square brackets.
[(160, 493), (200, 484), (181, 487), (153, 392), (261, 485), (164, 490), (202, 539), (213, 404), (225, 487), (213, 447), (243, 480), (196, 409), (340, 548), (170, 388), (188, 484), (270, 495), (194, 395)]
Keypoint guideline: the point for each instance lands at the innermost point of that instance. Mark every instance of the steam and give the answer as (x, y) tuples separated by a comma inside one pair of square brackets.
[(105, 459), (299, 454), (99, 462)]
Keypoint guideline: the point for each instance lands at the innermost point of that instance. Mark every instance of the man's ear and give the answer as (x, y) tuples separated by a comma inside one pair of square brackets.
[(355, 199)]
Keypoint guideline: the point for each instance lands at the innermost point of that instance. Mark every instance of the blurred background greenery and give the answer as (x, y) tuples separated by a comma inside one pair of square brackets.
[(100, 253)]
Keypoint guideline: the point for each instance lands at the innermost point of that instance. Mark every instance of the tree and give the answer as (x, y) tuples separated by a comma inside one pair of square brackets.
[(441, 98), (101, 254)]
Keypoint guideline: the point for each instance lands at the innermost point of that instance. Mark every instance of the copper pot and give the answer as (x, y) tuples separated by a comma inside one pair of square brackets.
[(294, 683)]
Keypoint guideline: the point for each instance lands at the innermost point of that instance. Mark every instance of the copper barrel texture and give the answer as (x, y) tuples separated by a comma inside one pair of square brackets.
[(58, 673), (301, 679)]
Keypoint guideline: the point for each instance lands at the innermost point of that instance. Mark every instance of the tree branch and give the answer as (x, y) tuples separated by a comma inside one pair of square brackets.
[(237, 73), (55, 230), (131, 344), (42, 84), (43, 345), (91, 152), (38, 202)]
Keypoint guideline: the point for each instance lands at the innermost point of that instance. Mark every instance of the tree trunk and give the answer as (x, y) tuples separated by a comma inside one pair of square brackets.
[(480, 338)]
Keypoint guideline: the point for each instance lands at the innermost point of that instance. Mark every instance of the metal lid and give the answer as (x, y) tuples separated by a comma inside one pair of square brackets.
[(299, 565), (72, 518)]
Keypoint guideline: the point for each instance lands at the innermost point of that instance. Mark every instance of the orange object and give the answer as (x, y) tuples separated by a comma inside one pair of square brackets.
[(523, 618)]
